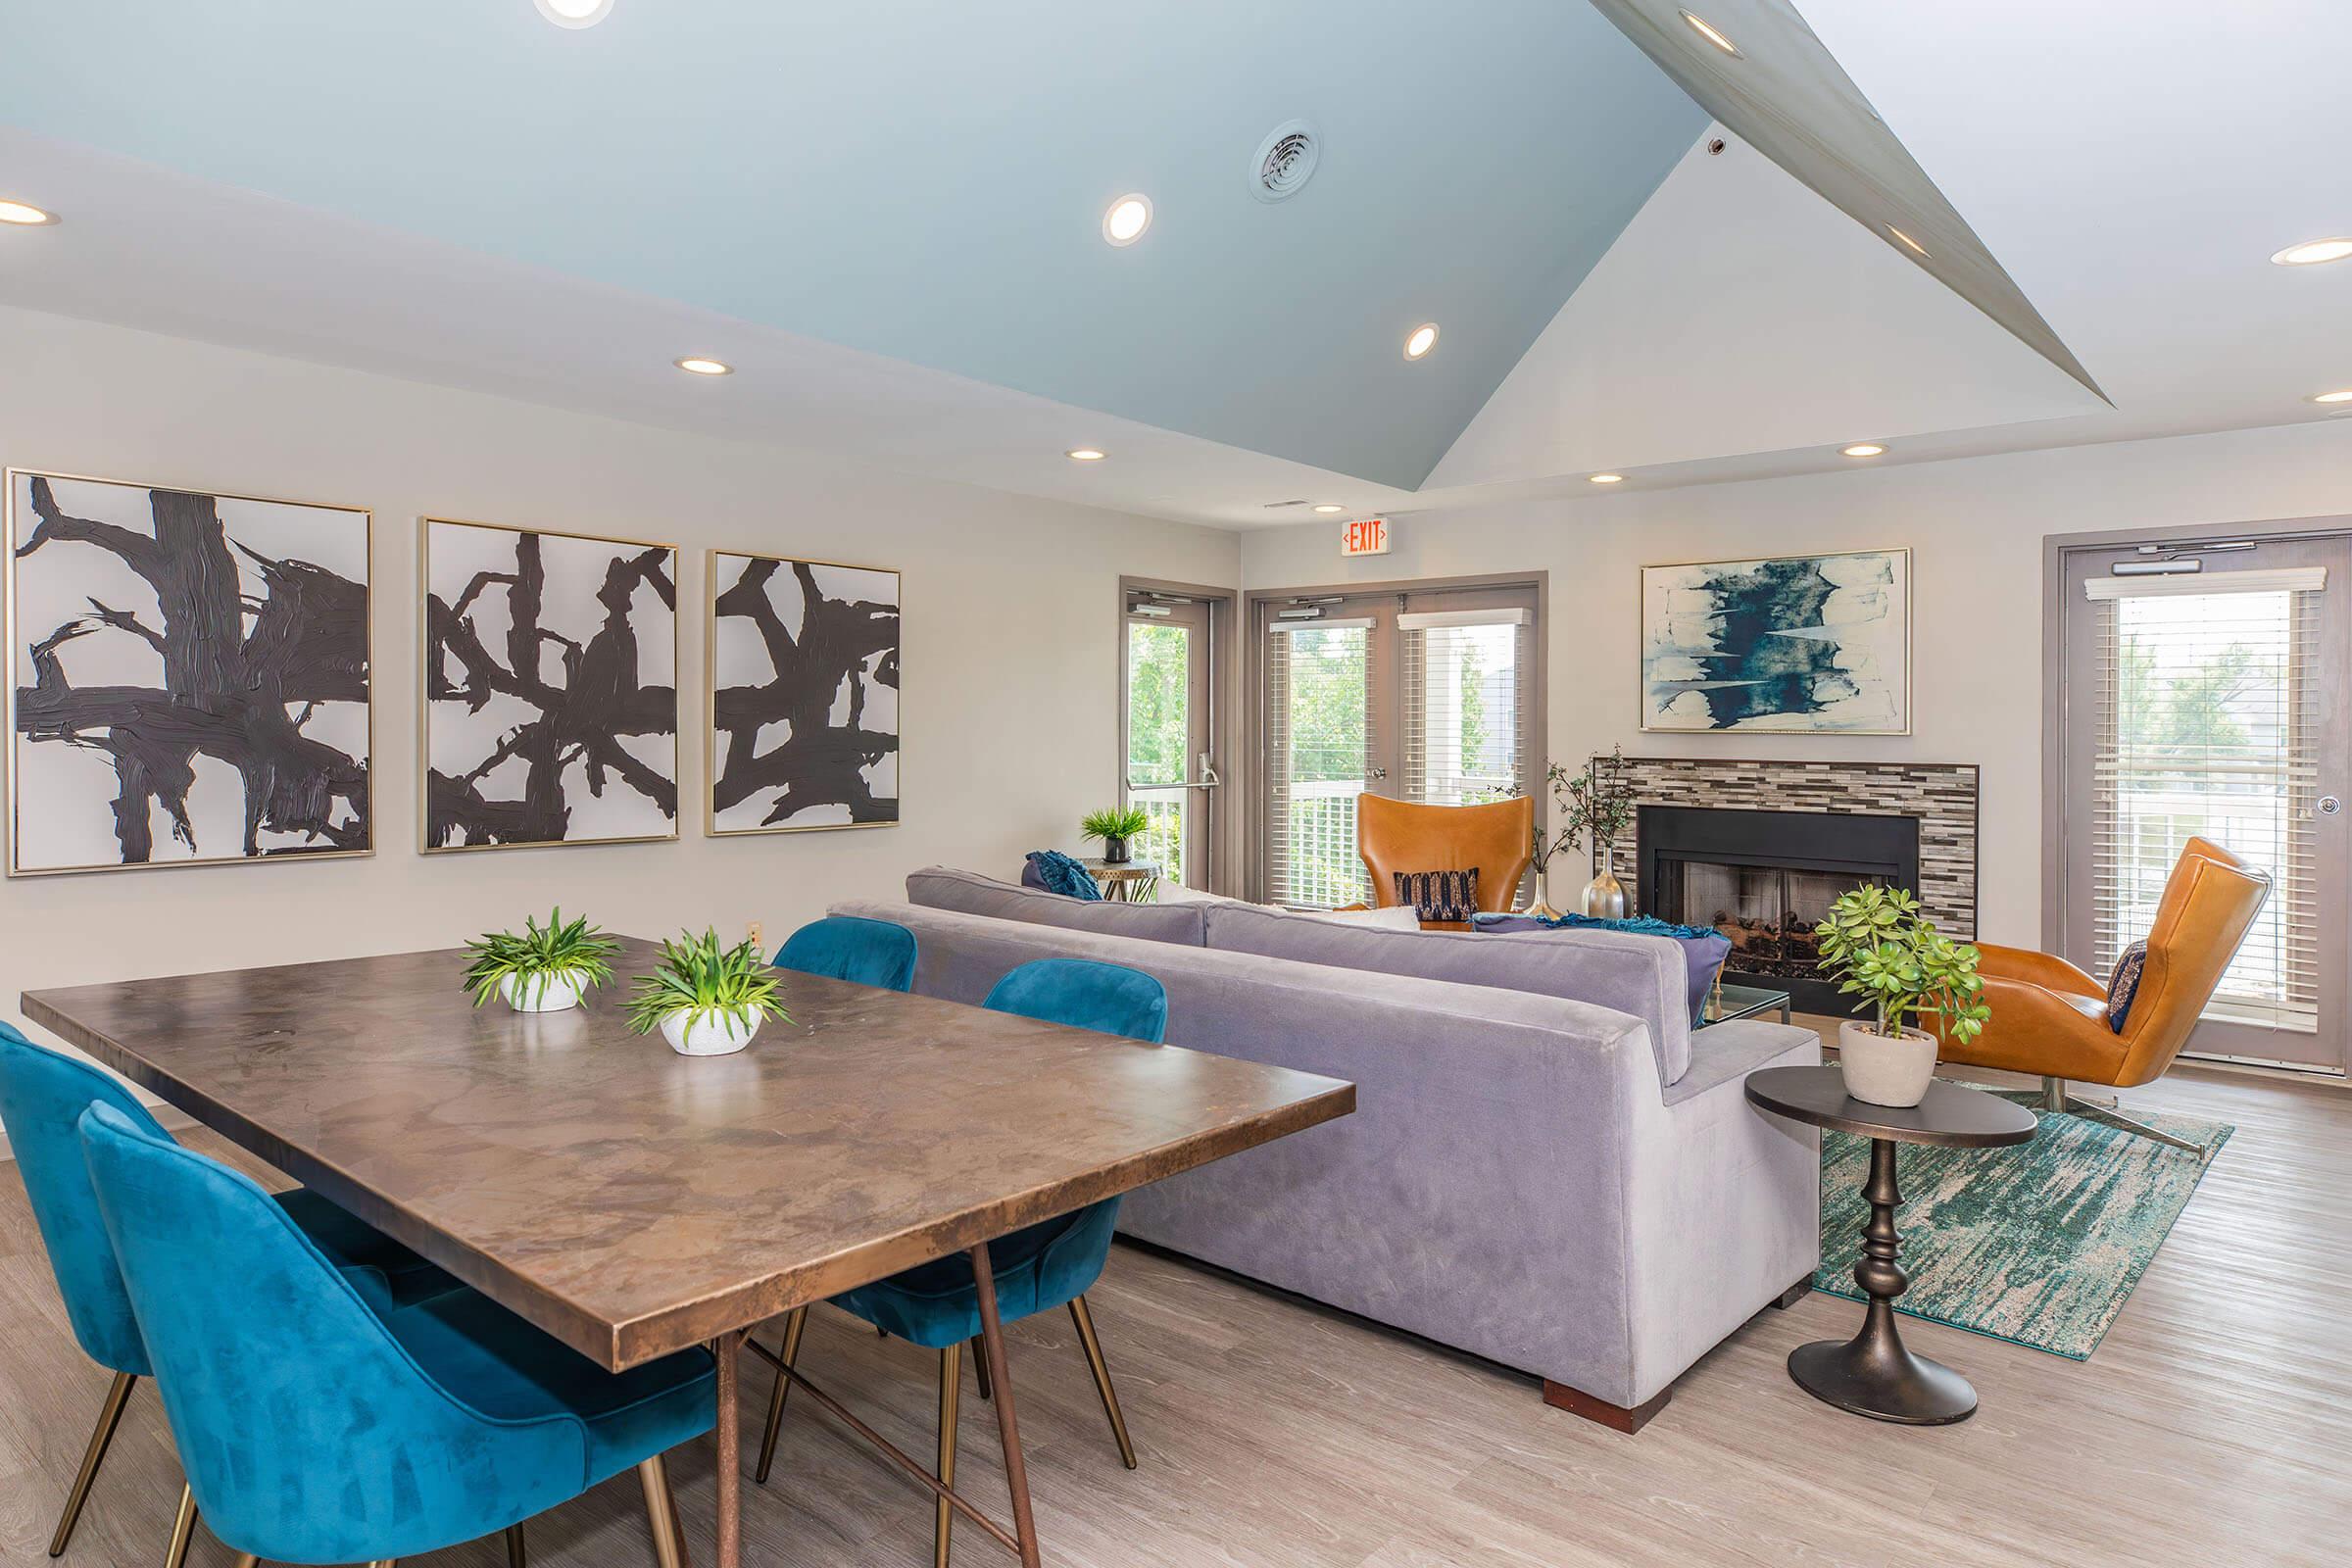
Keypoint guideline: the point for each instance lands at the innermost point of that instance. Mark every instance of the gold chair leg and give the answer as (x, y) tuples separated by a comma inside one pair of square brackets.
[(1101, 1370), (109, 1416), (951, 1388), (183, 1530), (514, 1548), (661, 1512), (980, 1365), (246, 1559), (794, 1323)]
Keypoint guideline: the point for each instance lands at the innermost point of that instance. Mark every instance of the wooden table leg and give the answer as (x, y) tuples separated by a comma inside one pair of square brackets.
[(729, 1347), (992, 1346)]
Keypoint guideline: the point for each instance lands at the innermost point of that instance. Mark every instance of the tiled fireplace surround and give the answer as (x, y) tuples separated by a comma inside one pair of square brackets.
[(1942, 796)]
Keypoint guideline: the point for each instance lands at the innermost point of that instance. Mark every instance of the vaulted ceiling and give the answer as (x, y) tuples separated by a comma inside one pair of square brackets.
[(888, 219)]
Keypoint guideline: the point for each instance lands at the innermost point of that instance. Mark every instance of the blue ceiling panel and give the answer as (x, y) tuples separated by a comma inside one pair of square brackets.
[(927, 180)]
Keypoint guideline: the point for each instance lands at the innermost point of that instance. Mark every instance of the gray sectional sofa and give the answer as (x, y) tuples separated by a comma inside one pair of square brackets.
[(1548, 1166)]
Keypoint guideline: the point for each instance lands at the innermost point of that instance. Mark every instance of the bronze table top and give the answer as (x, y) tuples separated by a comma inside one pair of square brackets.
[(632, 1202)]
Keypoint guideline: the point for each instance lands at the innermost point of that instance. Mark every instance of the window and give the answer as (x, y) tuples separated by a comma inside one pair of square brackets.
[(1423, 693), (2210, 697)]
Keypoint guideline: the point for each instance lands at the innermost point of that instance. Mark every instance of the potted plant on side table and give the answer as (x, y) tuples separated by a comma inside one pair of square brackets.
[(706, 1000), (1888, 953), (546, 969), (1117, 826)]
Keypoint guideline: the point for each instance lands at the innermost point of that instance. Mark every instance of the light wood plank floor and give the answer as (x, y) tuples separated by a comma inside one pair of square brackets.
[(2213, 1427)]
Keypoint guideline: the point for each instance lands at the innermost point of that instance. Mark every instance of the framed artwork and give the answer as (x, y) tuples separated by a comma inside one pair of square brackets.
[(1795, 643), (551, 699), (804, 660), (190, 677)]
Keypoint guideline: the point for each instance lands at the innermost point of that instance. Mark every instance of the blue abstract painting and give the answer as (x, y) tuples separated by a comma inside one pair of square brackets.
[(1796, 644)]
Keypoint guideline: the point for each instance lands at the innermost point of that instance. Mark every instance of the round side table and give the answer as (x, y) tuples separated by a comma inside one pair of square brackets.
[(1127, 882), (1873, 1374)]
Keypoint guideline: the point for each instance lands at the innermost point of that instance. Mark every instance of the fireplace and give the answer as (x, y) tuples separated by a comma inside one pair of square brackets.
[(1765, 879)]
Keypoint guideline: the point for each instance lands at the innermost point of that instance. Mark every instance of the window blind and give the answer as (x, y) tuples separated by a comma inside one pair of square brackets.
[(1464, 682), (2207, 726), (1318, 677)]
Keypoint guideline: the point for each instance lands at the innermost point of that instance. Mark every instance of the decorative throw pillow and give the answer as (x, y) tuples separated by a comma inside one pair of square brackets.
[(1440, 895), (1057, 873), (2123, 985)]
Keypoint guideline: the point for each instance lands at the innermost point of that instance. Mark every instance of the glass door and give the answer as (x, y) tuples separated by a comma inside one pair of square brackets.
[(2206, 689), (1423, 693), (1170, 773)]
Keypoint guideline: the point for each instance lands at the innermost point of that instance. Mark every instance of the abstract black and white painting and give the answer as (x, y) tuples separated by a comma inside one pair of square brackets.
[(189, 682), (1797, 644), (550, 686), (804, 695)]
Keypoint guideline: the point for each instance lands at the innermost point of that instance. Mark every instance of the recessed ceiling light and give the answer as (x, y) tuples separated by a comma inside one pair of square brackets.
[(2345, 396), (1863, 449), (576, 12), (1701, 27), (1605, 479), (696, 365), (1124, 223), (24, 213), (1085, 454), (1907, 240), (2312, 251), (1331, 506), (1424, 338)]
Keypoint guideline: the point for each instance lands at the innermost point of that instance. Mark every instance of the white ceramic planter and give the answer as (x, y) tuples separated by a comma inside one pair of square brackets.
[(1886, 1069), (707, 1035), (540, 993)]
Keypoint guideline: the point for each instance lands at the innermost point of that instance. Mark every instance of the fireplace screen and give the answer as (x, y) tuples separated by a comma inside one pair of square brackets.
[(1767, 913)]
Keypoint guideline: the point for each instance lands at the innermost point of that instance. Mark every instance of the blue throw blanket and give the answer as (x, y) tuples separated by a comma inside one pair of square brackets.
[(1060, 873), (1703, 947)]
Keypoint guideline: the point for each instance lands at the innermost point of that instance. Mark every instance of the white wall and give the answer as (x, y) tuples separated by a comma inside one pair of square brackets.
[(1010, 655), (1975, 527)]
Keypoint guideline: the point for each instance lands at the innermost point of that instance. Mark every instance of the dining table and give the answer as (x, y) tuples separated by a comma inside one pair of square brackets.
[(632, 1202)]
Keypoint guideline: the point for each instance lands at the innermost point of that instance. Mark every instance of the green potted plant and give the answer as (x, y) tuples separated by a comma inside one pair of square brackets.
[(1596, 804), (706, 999), (1115, 826), (546, 969), (1890, 954)]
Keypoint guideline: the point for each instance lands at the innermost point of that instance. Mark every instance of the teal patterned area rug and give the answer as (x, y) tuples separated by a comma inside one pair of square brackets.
[(2041, 1244)]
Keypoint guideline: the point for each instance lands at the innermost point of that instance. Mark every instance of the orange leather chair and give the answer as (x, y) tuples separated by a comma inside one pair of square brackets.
[(2050, 1018), (1499, 839)]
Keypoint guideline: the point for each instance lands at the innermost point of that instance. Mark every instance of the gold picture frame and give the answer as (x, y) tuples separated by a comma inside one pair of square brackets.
[(711, 693), (12, 765), (424, 697)]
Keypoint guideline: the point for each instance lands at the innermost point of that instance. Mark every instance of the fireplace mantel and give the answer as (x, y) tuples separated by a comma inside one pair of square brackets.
[(1942, 796)]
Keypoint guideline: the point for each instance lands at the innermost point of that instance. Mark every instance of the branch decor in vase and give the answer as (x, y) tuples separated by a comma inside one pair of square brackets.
[(1117, 826), (546, 969), (1889, 954), (1597, 804), (706, 1000)]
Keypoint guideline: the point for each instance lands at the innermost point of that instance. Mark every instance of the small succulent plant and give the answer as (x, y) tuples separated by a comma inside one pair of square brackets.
[(572, 950), (705, 981)]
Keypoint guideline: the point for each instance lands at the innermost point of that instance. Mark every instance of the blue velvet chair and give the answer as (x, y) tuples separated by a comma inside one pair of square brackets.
[(848, 947), (318, 1426), (1037, 1269), (42, 1096)]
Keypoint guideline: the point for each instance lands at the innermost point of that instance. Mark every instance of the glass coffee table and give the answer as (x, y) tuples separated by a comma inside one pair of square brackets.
[(1727, 1001)]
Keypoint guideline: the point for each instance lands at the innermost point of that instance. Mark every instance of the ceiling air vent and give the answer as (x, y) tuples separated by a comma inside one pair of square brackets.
[(1284, 161)]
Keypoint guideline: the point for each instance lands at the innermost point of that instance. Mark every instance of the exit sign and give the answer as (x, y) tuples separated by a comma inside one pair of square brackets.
[(1365, 536)]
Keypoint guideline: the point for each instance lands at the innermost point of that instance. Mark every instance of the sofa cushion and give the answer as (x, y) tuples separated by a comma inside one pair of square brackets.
[(1641, 976), (941, 887), (1703, 949)]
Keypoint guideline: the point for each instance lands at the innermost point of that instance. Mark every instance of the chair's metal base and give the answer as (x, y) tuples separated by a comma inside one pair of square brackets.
[(2056, 1097), (989, 1359), (109, 1416)]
